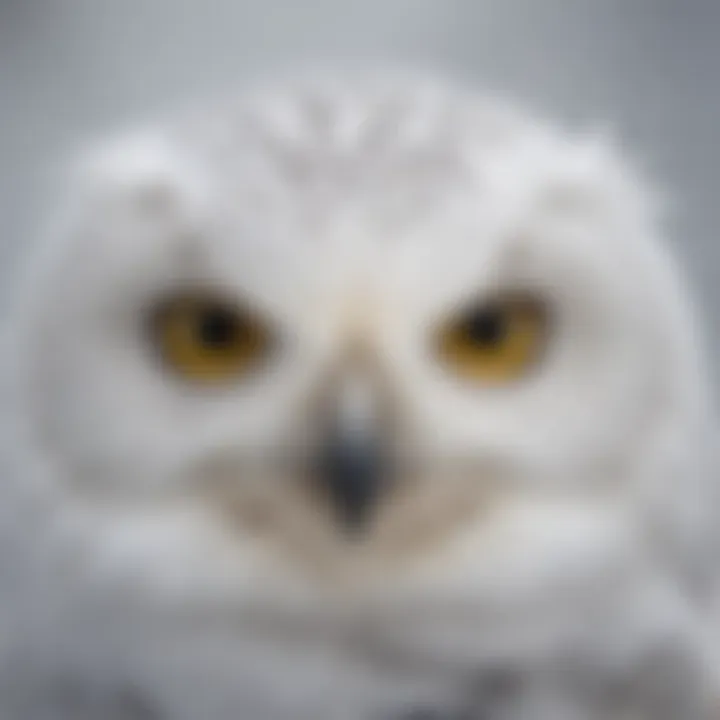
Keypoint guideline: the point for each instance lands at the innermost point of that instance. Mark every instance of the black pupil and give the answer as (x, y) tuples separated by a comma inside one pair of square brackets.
[(487, 327), (218, 328)]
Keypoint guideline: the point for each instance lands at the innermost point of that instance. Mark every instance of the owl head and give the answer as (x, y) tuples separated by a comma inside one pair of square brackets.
[(356, 333)]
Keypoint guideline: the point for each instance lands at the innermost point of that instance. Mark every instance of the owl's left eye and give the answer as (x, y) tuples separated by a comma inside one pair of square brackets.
[(494, 342), (207, 339)]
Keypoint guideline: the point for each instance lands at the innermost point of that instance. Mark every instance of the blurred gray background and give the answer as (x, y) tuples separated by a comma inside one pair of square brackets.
[(69, 68)]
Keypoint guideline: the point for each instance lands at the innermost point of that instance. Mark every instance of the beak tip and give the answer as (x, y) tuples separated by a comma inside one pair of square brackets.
[(350, 475)]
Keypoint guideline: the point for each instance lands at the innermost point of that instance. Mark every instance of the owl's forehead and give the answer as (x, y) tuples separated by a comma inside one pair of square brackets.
[(367, 165), (316, 154), (339, 183)]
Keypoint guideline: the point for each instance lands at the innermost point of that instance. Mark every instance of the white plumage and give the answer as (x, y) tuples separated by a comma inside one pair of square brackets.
[(540, 548)]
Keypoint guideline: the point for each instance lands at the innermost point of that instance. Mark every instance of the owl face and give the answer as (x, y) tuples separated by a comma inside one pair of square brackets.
[(336, 337)]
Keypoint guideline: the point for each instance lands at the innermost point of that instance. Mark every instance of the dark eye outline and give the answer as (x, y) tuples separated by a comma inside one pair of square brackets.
[(489, 317), (234, 311)]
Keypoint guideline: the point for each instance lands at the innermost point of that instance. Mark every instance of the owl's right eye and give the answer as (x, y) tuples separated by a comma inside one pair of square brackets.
[(495, 342), (206, 339)]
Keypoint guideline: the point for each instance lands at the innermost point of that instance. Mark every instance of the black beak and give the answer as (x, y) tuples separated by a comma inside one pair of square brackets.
[(352, 473)]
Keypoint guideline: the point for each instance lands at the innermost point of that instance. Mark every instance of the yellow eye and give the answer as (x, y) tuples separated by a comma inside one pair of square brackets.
[(495, 342), (208, 340)]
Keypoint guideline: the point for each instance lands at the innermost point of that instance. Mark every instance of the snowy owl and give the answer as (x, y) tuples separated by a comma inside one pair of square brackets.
[(361, 398)]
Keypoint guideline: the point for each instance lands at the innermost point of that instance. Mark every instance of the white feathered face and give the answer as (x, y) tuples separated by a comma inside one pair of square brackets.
[(339, 344)]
